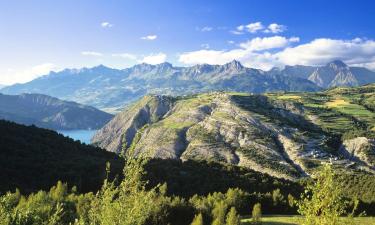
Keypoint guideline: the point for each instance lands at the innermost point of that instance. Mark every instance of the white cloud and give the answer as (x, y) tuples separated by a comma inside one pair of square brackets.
[(106, 25), (211, 56), (149, 37), (258, 44), (91, 53), (154, 58), (125, 56), (206, 29), (206, 46), (275, 28), (11, 76), (239, 30), (323, 50), (254, 27), (256, 53), (230, 42), (236, 32)]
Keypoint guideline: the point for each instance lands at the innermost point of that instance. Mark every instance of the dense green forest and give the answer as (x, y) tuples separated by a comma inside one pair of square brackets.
[(32, 158)]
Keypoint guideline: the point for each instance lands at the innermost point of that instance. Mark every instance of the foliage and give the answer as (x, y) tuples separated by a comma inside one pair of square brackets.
[(323, 201), (256, 214), (198, 220), (232, 217), (35, 159)]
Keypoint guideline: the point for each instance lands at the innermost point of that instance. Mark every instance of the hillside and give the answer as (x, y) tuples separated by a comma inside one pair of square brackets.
[(285, 135), (49, 112), (32, 158)]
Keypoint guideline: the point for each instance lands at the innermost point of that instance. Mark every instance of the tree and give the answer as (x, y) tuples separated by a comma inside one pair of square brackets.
[(198, 220), (277, 197), (257, 213), (218, 213), (323, 202), (232, 217)]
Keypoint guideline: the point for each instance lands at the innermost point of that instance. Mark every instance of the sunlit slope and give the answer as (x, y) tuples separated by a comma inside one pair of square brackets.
[(283, 134)]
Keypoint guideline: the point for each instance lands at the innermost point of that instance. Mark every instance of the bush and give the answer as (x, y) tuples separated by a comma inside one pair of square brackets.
[(257, 213)]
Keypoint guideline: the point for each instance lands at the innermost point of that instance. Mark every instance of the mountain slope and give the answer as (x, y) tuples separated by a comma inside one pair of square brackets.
[(48, 112), (32, 158), (284, 135), (110, 89)]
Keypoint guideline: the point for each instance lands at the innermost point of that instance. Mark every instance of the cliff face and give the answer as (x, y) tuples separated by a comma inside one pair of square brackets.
[(123, 127), (360, 149)]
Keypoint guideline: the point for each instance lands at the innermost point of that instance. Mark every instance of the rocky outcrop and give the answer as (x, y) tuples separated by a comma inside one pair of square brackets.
[(120, 131), (360, 149)]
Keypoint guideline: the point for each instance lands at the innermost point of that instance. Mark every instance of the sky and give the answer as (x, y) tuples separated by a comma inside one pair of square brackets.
[(39, 36)]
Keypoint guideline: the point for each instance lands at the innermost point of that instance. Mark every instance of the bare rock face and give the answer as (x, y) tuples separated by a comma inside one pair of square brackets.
[(121, 130), (360, 149)]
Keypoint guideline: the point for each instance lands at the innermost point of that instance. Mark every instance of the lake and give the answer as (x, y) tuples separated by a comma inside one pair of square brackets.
[(81, 135)]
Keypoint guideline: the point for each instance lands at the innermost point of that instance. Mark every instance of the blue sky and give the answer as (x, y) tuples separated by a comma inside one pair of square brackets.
[(38, 36)]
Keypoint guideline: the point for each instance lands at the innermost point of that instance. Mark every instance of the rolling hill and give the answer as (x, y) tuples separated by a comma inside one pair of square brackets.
[(49, 112), (286, 135)]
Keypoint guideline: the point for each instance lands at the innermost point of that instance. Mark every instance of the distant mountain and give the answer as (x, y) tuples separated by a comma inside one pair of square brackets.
[(110, 89), (49, 112), (33, 158)]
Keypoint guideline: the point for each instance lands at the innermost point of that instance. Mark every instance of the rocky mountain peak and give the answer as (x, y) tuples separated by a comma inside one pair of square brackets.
[(234, 66), (337, 64)]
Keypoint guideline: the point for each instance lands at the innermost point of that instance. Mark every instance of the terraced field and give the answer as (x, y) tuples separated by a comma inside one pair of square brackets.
[(338, 110)]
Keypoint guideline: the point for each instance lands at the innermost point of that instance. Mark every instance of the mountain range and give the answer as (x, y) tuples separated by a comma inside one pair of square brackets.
[(110, 89), (49, 112)]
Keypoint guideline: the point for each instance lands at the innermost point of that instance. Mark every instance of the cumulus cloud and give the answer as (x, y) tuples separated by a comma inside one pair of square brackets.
[(248, 53), (254, 27), (275, 28), (154, 58), (91, 53), (268, 52), (125, 56), (106, 25), (258, 44), (323, 50), (149, 37), (11, 76)]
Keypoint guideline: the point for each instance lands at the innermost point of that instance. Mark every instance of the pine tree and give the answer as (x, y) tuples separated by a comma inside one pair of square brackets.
[(198, 220), (257, 213), (233, 218), (218, 213)]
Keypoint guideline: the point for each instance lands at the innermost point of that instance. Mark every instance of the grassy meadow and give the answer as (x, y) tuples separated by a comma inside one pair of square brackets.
[(295, 220)]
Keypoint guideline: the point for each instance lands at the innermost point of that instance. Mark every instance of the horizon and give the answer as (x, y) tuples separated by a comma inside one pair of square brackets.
[(48, 36)]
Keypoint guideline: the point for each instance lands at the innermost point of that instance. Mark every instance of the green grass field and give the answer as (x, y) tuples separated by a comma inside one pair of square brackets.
[(295, 220)]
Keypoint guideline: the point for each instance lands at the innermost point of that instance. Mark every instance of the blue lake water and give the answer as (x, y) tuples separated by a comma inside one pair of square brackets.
[(81, 135)]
